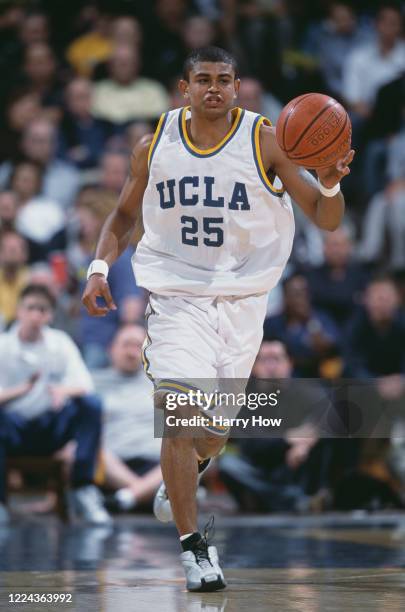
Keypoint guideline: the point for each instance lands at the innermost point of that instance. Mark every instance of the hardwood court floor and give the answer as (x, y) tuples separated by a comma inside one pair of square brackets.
[(332, 563)]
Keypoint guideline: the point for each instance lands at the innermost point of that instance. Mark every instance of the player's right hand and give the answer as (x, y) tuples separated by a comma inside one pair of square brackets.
[(97, 286)]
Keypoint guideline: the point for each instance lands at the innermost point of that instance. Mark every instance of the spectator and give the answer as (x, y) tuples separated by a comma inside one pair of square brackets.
[(197, 32), (40, 220), (252, 97), (128, 421), (136, 131), (114, 171), (95, 335), (13, 273), (38, 145), (311, 337), (337, 285), (386, 56), (34, 29), (22, 106), (91, 48), (164, 48), (375, 338), (47, 400), (126, 30), (332, 41), (125, 96), (8, 210), (81, 136), (385, 214), (278, 474), (26, 181), (40, 71)]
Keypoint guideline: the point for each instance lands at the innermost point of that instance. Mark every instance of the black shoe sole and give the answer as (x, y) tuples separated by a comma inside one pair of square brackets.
[(207, 587)]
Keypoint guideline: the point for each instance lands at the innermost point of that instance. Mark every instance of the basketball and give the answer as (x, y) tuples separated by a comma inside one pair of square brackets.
[(314, 131)]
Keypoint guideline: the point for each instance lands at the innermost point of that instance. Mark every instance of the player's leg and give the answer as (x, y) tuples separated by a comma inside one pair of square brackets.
[(180, 468), (182, 347)]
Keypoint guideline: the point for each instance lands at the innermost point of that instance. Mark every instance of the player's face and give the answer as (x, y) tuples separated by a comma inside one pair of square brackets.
[(211, 89)]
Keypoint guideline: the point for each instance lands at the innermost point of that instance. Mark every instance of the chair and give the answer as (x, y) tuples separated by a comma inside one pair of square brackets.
[(50, 467)]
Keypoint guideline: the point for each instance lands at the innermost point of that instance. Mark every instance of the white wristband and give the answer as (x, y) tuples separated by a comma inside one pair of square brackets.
[(98, 266), (328, 193)]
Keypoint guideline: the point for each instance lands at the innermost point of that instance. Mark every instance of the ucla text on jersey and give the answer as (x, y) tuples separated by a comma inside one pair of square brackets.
[(214, 222)]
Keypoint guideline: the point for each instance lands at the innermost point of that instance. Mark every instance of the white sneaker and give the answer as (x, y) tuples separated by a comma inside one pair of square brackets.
[(4, 515), (161, 503), (86, 503), (202, 569)]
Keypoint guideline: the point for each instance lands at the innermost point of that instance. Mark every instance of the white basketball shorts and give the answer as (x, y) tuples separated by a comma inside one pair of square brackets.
[(194, 342)]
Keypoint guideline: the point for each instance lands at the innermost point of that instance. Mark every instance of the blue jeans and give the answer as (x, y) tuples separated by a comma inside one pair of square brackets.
[(78, 420)]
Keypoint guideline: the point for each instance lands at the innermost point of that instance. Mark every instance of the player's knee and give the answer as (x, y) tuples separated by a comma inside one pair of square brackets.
[(208, 446)]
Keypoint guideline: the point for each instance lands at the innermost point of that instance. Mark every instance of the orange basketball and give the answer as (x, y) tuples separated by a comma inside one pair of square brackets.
[(314, 131)]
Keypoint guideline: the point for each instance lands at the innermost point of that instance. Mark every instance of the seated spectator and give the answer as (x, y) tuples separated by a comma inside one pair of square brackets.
[(375, 338), (310, 335), (13, 274), (40, 73), (136, 131), (128, 434), (277, 474), (22, 107), (386, 56), (8, 210), (38, 144), (95, 335), (331, 41), (47, 400), (336, 286), (252, 97), (125, 30), (39, 219), (26, 181), (385, 214), (81, 136), (125, 96), (90, 48), (113, 171)]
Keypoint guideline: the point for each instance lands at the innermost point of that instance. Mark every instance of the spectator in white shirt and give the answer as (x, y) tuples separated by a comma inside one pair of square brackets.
[(47, 400), (125, 96), (370, 66), (130, 450)]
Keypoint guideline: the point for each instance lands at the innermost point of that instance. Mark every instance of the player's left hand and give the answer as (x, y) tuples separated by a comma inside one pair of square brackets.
[(332, 175)]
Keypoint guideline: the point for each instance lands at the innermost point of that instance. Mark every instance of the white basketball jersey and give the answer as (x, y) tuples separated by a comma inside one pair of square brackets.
[(214, 223)]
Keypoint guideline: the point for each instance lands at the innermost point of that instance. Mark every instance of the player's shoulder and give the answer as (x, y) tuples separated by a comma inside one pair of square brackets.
[(140, 153)]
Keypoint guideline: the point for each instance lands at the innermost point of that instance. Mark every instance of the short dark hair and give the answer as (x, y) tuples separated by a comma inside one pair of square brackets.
[(208, 54), (39, 291)]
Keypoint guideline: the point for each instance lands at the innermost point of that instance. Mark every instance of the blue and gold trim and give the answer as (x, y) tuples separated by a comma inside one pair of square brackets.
[(174, 386), (146, 345), (257, 154), (156, 137), (238, 114)]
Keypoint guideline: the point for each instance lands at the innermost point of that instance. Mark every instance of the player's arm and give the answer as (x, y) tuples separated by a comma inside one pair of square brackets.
[(325, 212), (119, 227)]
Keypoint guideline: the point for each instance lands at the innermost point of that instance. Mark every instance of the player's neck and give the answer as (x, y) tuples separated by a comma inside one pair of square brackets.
[(205, 133)]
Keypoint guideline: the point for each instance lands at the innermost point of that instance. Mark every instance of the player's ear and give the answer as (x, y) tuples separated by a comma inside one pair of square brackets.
[(183, 87), (237, 86)]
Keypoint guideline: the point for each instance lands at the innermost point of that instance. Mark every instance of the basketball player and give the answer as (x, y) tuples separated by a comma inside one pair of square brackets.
[(217, 235)]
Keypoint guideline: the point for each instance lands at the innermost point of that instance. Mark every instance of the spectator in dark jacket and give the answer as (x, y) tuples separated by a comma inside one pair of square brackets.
[(336, 286), (310, 335)]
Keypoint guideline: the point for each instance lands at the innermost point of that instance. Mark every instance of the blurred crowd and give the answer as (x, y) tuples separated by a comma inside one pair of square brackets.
[(80, 85)]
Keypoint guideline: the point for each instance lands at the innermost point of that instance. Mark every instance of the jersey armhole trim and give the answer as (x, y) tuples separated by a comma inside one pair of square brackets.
[(156, 137), (259, 121)]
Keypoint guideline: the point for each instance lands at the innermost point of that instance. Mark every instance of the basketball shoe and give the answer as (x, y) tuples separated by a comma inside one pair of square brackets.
[(201, 564), (161, 504)]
